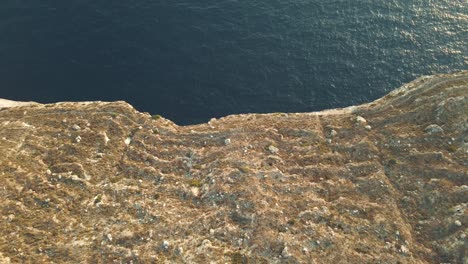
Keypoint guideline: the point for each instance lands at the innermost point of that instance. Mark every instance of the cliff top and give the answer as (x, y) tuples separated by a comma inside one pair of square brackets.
[(99, 182)]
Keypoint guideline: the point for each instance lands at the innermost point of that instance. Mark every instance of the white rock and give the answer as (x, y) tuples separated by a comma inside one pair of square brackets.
[(78, 139), (75, 178), (285, 253), (179, 251), (458, 223), (106, 138), (11, 217), (333, 133), (26, 124), (404, 249), (273, 149), (165, 245), (76, 127), (206, 243), (4, 103), (227, 141), (195, 191), (128, 141), (368, 127), (127, 233), (361, 120)]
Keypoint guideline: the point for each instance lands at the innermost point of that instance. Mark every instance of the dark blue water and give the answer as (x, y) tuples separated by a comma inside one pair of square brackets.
[(190, 60)]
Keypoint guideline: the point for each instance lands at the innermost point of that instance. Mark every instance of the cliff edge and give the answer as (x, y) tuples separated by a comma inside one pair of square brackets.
[(98, 182)]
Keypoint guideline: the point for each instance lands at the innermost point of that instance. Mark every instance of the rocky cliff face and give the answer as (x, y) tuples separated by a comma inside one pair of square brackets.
[(97, 182)]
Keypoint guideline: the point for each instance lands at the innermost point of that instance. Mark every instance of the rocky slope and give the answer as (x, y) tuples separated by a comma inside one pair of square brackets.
[(98, 182)]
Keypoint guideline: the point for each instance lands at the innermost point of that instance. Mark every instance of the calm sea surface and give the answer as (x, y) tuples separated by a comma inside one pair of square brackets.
[(190, 60)]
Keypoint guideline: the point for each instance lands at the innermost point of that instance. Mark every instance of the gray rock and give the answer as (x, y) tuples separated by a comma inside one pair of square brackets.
[(433, 129)]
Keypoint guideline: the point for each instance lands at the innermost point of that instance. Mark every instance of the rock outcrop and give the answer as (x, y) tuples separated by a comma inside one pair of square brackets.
[(98, 182)]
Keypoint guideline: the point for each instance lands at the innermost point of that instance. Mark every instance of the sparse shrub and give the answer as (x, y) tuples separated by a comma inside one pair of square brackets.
[(452, 148), (98, 199), (392, 162), (195, 183), (156, 117), (244, 169), (238, 258), (114, 179), (323, 149), (446, 184)]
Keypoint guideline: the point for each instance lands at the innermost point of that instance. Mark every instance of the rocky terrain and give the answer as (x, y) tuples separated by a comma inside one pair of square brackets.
[(97, 182)]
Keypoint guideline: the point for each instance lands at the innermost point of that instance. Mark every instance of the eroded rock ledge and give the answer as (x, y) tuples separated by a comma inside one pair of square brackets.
[(98, 182)]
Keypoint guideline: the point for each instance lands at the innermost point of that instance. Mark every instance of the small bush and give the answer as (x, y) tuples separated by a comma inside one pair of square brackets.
[(98, 199), (446, 184), (244, 169), (195, 183), (238, 258), (323, 149), (392, 162), (452, 148)]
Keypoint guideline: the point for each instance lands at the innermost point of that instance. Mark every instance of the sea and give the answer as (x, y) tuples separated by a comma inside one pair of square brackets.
[(192, 60)]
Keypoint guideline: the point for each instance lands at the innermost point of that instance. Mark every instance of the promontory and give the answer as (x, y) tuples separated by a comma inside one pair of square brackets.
[(100, 182)]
